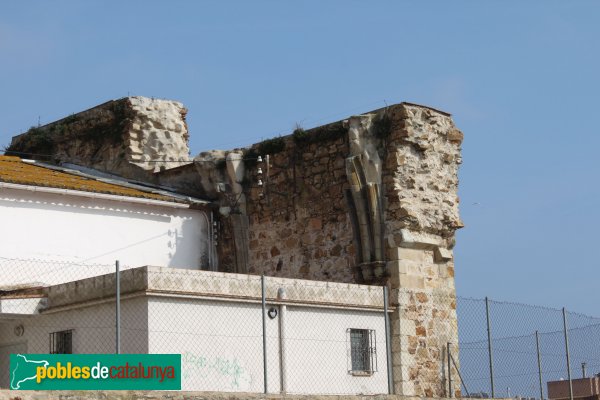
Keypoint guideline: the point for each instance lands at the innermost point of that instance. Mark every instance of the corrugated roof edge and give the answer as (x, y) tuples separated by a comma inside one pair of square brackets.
[(119, 181), (130, 183)]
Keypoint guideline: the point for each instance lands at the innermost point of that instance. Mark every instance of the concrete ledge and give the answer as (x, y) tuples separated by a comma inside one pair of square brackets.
[(216, 284), (175, 395), (97, 287)]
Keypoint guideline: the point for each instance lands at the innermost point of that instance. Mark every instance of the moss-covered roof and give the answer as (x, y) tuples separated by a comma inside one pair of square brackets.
[(14, 170)]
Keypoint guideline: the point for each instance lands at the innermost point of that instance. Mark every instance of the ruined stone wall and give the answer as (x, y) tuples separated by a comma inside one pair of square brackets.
[(371, 199), (317, 217), (299, 220), (132, 137), (158, 137), (421, 183)]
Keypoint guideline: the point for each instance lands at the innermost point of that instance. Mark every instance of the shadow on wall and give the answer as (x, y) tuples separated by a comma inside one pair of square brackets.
[(189, 245)]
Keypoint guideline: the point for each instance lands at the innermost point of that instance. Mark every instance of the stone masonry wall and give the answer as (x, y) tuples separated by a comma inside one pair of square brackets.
[(421, 181), (132, 137), (299, 221)]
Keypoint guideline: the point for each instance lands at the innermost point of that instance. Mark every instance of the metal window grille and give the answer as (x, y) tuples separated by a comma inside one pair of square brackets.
[(362, 351), (61, 342)]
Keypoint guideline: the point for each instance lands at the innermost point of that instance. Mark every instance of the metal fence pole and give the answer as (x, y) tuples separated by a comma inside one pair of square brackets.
[(264, 330), (567, 353), (539, 361), (462, 381), (388, 342), (489, 335), (448, 356), (118, 308)]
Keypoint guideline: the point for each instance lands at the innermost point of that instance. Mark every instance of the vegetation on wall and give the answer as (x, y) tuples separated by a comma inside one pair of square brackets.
[(299, 134), (98, 126), (382, 126), (300, 137), (271, 146), (40, 140), (250, 157), (325, 133)]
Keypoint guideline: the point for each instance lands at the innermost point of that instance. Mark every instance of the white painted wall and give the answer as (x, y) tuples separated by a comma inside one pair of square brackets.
[(317, 351), (92, 234), (93, 330), (221, 346), (220, 342)]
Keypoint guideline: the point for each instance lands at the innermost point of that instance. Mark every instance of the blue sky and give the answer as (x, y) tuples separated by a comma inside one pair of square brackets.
[(520, 78)]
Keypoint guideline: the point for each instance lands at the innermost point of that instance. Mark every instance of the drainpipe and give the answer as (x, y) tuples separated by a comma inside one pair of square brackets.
[(282, 337), (210, 231)]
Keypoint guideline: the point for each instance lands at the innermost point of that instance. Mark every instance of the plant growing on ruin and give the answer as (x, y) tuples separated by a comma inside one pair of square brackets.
[(325, 133), (250, 157), (382, 126), (271, 146), (299, 134)]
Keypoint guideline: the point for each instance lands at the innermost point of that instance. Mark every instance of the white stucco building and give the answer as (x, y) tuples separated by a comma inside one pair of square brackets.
[(322, 337), (80, 224)]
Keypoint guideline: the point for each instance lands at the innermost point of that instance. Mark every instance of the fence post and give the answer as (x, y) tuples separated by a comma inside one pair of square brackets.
[(388, 341), (449, 371), (539, 361), (264, 330), (118, 308), (281, 296), (462, 381), (489, 335), (567, 353)]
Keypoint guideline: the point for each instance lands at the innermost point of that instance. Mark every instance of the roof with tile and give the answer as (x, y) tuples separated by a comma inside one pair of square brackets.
[(15, 170)]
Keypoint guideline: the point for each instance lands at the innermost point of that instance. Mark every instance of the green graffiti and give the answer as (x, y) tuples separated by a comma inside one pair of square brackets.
[(195, 365)]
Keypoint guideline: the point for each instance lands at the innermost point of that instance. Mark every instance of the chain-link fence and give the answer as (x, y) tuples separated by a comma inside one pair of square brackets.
[(234, 332), (501, 357), (253, 334)]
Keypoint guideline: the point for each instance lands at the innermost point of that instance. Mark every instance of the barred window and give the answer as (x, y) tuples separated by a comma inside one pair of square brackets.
[(363, 353), (61, 342)]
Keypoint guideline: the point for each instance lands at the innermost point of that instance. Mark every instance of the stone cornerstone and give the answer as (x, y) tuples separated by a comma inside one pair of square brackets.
[(369, 199)]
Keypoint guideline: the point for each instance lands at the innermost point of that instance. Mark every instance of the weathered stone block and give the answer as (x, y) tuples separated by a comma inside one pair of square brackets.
[(404, 327), (406, 281), (402, 253), (442, 254)]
